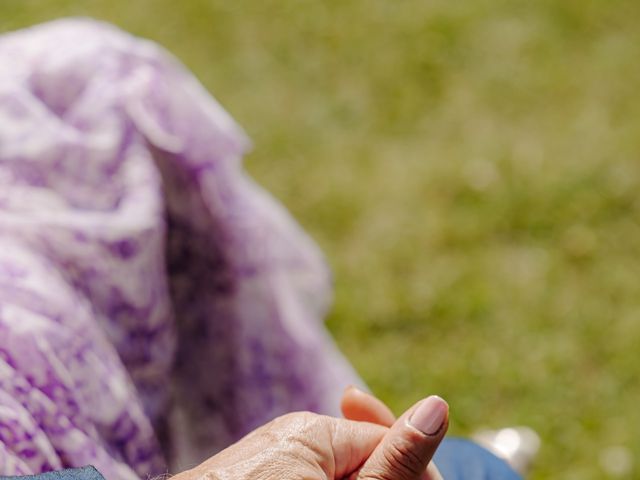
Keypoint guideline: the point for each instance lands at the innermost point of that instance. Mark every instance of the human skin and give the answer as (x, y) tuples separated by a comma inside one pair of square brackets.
[(308, 446), (362, 406)]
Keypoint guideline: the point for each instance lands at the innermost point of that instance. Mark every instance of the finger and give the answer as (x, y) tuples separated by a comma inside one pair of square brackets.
[(352, 444), (407, 449), (364, 407), (432, 473)]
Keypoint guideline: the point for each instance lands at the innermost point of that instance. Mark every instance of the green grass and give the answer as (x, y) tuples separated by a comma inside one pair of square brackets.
[(470, 169)]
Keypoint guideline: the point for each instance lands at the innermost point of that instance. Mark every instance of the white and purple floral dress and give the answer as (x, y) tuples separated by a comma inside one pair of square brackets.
[(155, 303)]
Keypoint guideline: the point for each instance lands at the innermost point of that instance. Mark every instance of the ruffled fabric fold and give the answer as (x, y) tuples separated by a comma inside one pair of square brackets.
[(155, 303)]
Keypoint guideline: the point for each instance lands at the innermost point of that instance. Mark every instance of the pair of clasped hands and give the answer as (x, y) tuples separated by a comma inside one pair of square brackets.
[(368, 444)]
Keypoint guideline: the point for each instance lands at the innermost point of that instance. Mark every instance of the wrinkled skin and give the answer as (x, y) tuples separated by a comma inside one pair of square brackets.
[(364, 407), (305, 445)]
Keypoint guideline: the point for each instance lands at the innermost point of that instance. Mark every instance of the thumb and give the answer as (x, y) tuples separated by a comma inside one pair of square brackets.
[(407, 448)]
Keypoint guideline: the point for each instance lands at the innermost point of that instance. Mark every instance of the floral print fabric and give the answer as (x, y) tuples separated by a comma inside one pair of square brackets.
[(155, 303)]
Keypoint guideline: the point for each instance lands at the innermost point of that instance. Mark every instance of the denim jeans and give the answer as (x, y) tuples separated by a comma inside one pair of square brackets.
[(459, 459), (84, 473)]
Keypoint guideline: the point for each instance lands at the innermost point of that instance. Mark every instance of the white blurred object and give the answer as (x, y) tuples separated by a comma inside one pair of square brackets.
[(518, 446), (616, 461)]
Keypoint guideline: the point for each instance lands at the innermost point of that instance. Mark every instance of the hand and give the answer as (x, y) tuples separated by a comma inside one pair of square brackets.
[(294, 446), (364, 407), (310, 446)]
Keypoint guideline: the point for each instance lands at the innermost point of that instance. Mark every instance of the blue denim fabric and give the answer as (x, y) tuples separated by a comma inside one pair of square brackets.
[(459, 459), (84, 473)]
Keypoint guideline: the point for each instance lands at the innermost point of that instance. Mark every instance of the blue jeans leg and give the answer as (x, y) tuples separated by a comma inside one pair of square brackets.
[(83, 473), (459, 459)]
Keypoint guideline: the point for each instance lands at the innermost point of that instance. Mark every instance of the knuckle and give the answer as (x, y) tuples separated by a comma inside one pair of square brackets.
[(293, 419), (298, 426), (304, 421)]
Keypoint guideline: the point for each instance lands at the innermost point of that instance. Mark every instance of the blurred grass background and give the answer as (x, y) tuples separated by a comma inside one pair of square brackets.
[(470, 169)]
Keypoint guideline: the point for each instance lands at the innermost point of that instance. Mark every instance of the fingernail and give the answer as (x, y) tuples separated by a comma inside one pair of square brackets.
[(353, 387), (430, 415)]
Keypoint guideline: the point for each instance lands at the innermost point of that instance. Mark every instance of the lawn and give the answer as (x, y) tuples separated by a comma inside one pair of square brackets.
[(470, 169)]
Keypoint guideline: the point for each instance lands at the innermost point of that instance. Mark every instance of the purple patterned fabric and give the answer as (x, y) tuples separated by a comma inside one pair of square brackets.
[(155, 304)]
